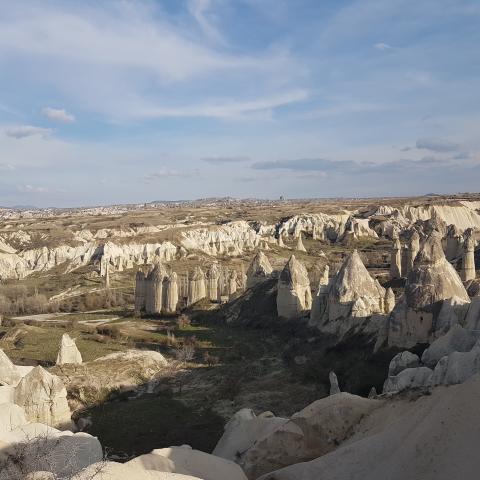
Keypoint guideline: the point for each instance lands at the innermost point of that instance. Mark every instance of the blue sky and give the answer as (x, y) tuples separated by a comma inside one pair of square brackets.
[(133, 101)]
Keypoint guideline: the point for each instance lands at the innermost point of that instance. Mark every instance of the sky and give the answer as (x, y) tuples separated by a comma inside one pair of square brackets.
[(135, 101)]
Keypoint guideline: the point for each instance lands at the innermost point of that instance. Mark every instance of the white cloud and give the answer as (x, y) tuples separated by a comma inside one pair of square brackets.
[(382, 46), (200, 10), (24, 131), (224, 109), (58, 115)]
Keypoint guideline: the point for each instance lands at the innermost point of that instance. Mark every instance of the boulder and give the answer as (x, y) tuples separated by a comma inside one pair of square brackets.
[(68, 352), (457, 339), (44, 398), (402, 361)]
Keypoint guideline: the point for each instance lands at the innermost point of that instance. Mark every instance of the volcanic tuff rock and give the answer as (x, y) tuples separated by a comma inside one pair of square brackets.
[(353, 296), (402, 361), (44, 398), (259, 270), (468, 256), (294, 296), (196, 286), (9, 374), (68, 352), (433, 279)]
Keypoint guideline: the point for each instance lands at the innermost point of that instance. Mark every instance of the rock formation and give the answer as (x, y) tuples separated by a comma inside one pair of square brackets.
[(453, 243), (139, 291), (411, 252), (68, 352), (389, 300), (294, 296), (320, 300), (334, 388), (432, 279), (396, 259), (44, 398), (196, 286), (353, 296), (171, 294), (9, 374), (154, 289), (232, 283), (402, 361), (300, 247), (468, 256), (212, 280), (259, 270)]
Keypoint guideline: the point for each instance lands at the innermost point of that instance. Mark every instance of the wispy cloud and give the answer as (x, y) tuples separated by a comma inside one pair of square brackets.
[(58, 115), (24, 131), (227, 160), (31, 189), (437, 145), (164, 173)]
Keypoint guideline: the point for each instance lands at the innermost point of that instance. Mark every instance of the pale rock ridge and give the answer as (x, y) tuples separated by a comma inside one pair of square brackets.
[(68, 352), (468, 256), (230, 239), (259, 270), (294, 296), (44, 398)]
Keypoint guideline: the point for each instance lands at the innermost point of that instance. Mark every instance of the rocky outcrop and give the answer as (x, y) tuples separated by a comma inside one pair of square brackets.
[(212, 283), (140, 291), (453, 246), (232, 282), (44, 398), (68, 352), (9, 374), (379, 448), (334, 388), (300, 247), (320, 300), (293, 295), (411, 252), (432, 280), (259, 270), (154, 289), (468, 256)]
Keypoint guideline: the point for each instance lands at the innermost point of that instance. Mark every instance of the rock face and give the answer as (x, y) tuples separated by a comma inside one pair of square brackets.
[(378, 450), (259, 270), (262, 444), (353, 296), (44, 398), (294, 296), (468, 256), (433, 279), (196, 286), (402, 361), (68, 352), (396, 259)]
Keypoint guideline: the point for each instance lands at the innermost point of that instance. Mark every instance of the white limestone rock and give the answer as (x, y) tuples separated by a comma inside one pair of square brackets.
[(402, 361), (11, 417), (68, 352)]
